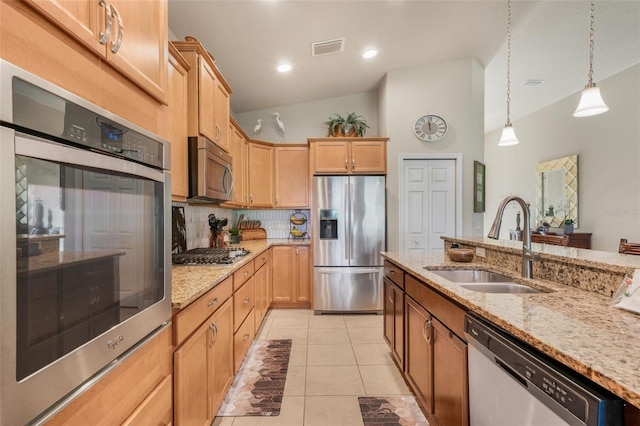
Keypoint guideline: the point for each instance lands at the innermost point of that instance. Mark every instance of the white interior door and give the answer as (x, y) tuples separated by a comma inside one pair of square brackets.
[(103, 229), (427, 204)]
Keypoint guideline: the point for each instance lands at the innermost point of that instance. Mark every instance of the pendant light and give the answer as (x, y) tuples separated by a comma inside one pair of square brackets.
[(591, 102), (508, 134)]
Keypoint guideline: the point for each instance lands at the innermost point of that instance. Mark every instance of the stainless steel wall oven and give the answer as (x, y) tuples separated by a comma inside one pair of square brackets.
[(84, 254)]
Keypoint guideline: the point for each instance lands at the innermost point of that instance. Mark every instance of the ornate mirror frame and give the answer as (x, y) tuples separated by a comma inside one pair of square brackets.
[(565, 207)]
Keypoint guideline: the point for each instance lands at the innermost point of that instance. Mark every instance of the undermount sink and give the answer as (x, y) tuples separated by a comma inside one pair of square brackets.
[(484, 281)]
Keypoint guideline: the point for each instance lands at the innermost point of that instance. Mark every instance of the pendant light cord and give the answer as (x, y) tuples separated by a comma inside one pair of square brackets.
[(592, 20), (508, 62)]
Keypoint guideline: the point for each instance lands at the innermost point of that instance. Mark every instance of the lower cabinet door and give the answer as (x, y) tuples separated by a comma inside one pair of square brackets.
[(221, 356), (243, 339), (418, 352), (450, 380)]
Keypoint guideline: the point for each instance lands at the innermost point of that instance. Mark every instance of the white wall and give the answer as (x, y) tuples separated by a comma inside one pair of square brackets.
[(305, 120), (453, 90), (608, 149)]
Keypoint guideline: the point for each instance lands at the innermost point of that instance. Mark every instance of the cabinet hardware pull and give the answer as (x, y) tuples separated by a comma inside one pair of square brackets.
[(218, 133), (214, 333), (426, 331), (104, 36), (392, 272), (115, 46), (246, 300), (353, 164), (297, 252), (246, 337), (246, 273), (212, 302), (346, 164)]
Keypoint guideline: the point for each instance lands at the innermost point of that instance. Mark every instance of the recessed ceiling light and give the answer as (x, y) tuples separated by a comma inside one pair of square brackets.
[(369, 53), (284, 68)]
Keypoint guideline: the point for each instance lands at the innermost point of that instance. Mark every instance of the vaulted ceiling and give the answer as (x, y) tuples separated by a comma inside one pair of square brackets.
[(549, 42)]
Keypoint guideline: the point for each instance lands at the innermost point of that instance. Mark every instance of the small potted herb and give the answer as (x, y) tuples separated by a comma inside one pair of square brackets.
[(235, 235)]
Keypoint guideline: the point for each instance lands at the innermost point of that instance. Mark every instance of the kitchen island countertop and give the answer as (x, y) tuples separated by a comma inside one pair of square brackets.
[(189, 282), (576, 327)]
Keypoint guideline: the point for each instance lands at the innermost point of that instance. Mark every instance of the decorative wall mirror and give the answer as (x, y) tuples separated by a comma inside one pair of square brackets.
[(557, 191)]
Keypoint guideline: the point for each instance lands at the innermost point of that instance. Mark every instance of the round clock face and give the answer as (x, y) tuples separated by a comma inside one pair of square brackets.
[(430, 128)]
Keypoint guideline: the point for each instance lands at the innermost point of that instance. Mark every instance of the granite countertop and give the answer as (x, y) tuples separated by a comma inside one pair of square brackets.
[(189, 282), (576, 327)]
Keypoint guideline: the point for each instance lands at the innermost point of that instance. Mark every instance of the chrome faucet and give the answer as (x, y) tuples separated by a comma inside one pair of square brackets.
[(527, 254)]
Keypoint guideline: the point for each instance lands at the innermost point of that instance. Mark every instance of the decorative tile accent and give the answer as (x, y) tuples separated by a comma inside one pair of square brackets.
[(259, 385), (391, 411)]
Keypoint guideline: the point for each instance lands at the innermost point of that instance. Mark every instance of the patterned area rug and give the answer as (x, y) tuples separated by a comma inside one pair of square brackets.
[(259, 386), (391, 411)]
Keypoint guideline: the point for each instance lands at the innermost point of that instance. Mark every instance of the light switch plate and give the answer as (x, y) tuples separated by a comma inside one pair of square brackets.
[(480, 252)]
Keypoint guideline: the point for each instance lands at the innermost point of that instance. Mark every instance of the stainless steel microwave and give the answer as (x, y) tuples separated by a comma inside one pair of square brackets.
[(210, 173), (85, 267)]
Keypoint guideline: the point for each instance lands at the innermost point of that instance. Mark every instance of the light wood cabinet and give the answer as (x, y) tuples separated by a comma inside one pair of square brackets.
[(290, 276), (172, 124), (208, 98), (263, 287), (130, 36), (348, 156), (261, 174), (292, 176), (238, 150), (435, 356), (146, 377), (203, 369)]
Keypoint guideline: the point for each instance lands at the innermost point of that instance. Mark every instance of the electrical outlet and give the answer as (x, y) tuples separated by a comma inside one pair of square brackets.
[(480, 252)]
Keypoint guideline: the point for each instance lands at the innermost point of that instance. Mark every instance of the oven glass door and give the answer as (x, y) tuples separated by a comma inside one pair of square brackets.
[(89, 252)]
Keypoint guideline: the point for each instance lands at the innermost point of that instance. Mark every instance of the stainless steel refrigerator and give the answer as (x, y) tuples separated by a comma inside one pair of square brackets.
[(349, 229)]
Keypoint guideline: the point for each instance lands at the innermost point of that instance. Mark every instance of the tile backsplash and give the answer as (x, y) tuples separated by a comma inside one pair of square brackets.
[(275, 222)]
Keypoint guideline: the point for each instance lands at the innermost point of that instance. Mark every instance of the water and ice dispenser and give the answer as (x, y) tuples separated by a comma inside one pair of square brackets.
[(328, 224)]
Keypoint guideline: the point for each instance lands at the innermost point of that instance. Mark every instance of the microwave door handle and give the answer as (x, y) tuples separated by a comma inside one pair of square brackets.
[(227, 172)]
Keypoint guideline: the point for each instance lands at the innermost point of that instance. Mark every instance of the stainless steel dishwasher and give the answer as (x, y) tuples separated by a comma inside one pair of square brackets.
[(512, 384)]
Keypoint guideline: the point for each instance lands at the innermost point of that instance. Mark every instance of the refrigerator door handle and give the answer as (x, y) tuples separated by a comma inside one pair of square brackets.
[(347, 220), (343, 271), (350, 218)]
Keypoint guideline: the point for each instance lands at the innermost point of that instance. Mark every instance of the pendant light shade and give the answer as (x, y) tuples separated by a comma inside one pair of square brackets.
[(591, 102), (508, 134), (508, 137)]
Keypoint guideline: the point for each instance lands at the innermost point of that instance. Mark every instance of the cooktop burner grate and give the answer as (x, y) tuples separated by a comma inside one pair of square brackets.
[(209, 256)]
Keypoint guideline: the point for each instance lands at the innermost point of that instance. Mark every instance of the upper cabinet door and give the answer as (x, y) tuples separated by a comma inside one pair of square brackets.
[(130, 35), (368, 157), (292, 177), (330, 157), (84, 20), (138, 44), (206, 94), (221, 116)]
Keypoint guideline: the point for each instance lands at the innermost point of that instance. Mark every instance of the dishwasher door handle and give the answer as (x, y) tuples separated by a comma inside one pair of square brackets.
[(512, 372)]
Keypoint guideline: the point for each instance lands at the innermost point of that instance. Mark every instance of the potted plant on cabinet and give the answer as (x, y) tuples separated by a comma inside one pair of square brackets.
[(334, 125), (355, 125)]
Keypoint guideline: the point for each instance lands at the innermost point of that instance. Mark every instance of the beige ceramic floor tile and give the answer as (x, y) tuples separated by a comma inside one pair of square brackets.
[(298, 355), (383, 380), (223, 421), (292, 414), (330, 354), (365, 335), (328, 336), (295, 384), (326, 321), (363, 321), (372, 354), (332, 411), (298, 335), (290, 322), (334, 380)]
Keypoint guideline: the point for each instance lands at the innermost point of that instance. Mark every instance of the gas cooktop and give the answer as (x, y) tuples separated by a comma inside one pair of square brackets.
[(209, 256)]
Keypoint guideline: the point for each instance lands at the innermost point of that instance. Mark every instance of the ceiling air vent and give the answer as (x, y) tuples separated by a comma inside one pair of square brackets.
[(328, 47), (532, 82)]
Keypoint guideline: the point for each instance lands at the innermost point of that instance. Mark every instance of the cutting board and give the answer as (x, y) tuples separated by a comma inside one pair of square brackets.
[(253, 234)]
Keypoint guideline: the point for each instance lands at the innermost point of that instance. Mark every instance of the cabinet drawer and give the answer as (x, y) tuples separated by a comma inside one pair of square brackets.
[(242, 340), (243, 302), (449, 313), (394, 273), (187, 321), (242, 275), (156, 409), (262, 258)]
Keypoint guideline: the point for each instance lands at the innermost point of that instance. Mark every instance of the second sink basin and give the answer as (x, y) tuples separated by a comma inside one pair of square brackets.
[(484, 281)]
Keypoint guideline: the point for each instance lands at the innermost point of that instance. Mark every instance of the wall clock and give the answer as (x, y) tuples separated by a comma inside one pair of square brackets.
[(430, 128)]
